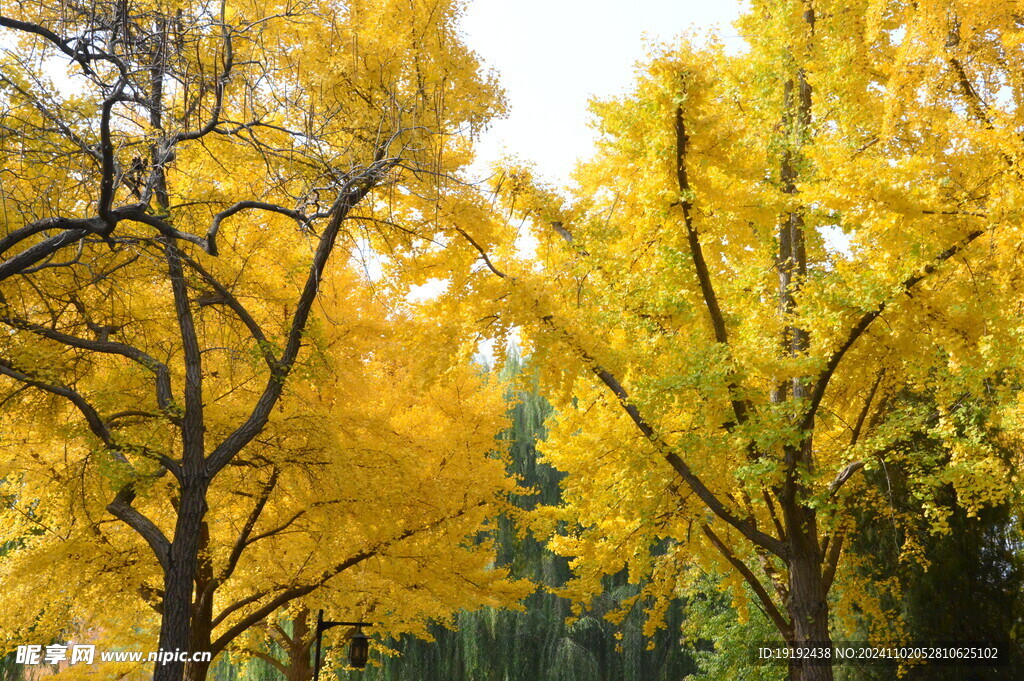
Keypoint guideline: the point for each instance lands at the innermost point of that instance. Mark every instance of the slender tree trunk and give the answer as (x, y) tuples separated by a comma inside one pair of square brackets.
[(807, 606)]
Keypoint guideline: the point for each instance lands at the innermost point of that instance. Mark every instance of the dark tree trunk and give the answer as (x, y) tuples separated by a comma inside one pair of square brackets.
[(202, 611), (807, 597), (808, 603), (179, 580), (298, 647)]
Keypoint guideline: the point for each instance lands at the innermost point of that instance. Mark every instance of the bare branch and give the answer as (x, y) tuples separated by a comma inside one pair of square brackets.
[(211, 234), (218, 97), (843, 476), (276, 530), (80, 53)]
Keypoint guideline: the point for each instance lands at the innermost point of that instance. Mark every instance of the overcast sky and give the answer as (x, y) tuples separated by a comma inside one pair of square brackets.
[(553, 55)]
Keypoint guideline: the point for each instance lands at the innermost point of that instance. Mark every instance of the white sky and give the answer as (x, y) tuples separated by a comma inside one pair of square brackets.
[(553, 55)]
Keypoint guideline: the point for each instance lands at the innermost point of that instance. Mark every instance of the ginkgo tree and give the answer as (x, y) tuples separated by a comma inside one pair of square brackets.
[(783, 266), (363, 495), (192, 371)]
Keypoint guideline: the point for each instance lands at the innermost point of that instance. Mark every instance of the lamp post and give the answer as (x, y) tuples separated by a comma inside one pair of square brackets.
[(359, 644)]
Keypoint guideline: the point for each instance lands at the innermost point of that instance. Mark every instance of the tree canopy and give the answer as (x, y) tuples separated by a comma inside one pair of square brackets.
[(787, 271), (214, 406), (783, 266)]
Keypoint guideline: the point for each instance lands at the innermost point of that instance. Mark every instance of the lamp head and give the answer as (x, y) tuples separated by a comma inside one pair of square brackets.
[(358, 649)]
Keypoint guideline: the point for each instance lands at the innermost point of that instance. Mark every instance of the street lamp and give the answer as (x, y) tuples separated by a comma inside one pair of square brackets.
[(359, 644)]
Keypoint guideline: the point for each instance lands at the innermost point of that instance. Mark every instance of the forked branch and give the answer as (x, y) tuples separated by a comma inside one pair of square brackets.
[(858, 330)]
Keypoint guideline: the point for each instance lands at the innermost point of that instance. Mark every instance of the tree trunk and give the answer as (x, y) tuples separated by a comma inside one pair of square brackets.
[(179, 580), (808, 603), (202, 610), (197, 671), (297, 649)]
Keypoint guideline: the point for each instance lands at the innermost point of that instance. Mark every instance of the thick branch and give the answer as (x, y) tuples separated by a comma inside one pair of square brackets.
[(979, 107), (270, 659), (843, 476), (243, 537), (709, 498), (107, 161), (835, 550), (211, 234), (236, 306), (762, 594), (746, 528), (79, 54), (92, 417), (44, 249), (192, 424), (159, 369), (696, 250), (291, 593), (75, 229), (122, 509)]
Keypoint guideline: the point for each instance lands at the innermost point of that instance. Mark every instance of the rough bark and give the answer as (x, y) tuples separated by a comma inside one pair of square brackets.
[(297, 647), (175, 625), (202, 610)]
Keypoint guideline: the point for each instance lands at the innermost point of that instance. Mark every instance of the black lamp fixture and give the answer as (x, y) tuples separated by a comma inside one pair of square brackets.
[(359, 644)]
